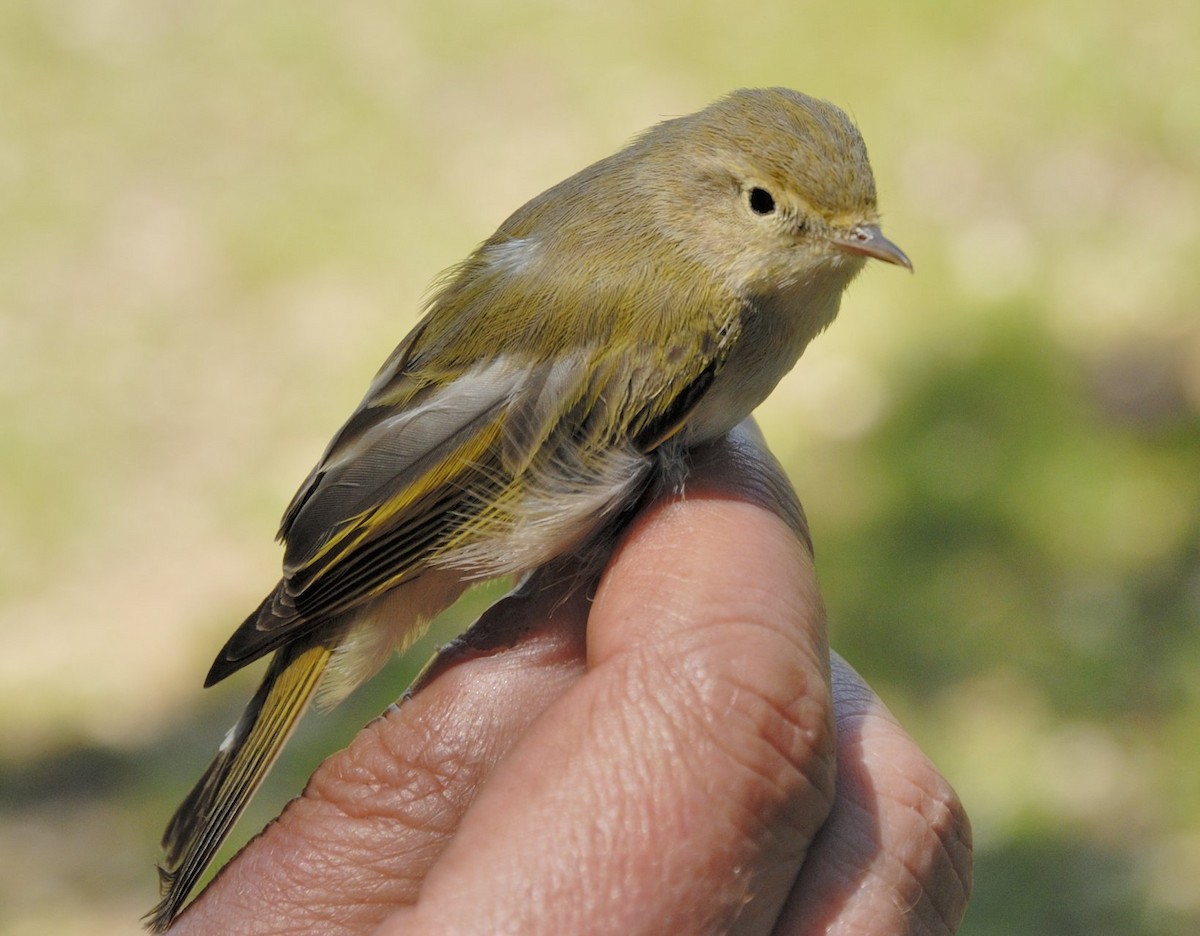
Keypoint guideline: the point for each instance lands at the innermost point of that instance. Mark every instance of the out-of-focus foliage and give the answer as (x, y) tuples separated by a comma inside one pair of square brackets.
[(217, 218)]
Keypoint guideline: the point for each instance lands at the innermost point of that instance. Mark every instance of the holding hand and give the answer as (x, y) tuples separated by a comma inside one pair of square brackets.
[(676, 755)]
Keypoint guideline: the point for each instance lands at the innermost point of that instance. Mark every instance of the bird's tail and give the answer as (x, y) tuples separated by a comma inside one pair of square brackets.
[(205, 817)]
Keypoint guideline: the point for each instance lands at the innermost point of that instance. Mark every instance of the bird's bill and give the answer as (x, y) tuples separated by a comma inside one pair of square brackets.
[(867, 240)]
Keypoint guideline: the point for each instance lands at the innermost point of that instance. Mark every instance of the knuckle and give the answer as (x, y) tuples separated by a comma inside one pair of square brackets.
[(417, 780), (939, 860), (773, 735)]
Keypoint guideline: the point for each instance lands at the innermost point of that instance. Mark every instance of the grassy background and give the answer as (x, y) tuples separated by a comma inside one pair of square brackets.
[(217, 218)]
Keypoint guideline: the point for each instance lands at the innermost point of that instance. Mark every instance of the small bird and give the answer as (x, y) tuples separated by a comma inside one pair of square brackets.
[(645, 305)]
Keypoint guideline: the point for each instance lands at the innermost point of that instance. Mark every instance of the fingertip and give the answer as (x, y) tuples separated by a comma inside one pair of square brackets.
[(739, 465), (731, 546)]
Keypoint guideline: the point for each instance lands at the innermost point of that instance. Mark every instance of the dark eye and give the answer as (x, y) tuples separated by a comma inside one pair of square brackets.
[(761, 201)]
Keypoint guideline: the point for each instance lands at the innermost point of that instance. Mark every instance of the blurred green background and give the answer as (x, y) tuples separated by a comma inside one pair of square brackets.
[(217, 218)]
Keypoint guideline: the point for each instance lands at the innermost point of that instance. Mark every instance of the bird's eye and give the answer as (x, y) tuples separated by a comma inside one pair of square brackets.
[(762, 202)]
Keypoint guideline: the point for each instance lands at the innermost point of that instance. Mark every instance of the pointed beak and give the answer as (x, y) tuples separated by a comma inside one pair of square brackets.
[(867, 240)]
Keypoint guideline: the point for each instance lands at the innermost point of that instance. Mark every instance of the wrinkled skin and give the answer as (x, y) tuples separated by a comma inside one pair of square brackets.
[(679, 754)]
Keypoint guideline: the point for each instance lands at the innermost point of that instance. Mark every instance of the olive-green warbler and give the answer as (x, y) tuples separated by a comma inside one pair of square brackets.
[(644, 305)]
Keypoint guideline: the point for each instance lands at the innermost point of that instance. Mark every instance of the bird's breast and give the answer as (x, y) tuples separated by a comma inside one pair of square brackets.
[(775, 329)]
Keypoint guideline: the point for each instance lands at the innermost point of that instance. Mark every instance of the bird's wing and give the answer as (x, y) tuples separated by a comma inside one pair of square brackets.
[(390, 493), (439, 455)]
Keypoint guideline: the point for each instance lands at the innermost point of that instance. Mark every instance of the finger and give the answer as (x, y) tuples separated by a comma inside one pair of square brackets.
[(377, 815), (676, 787), (895, 855)]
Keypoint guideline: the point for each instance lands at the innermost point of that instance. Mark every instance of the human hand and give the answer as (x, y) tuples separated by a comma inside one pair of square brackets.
[(675, 755)]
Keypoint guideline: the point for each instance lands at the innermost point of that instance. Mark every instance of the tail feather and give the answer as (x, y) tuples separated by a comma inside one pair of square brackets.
[(205, 817)]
